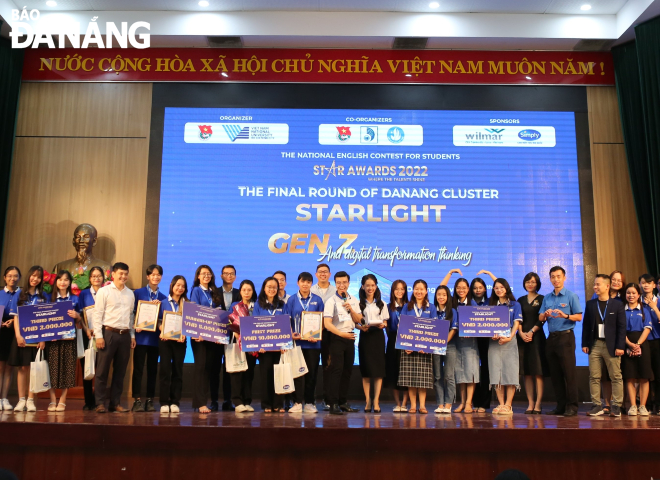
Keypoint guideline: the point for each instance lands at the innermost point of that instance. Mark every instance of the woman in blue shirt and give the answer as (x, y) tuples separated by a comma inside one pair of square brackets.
[(62, 354), (417, 367), (398, 298), (467, 352), (172, 352), (204, 292), (504, 363), (444, 379), (9, 300), (636, 363), (268, 303), (478, 296)]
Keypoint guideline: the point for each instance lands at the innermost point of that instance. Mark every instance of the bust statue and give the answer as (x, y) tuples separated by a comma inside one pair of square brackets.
[(84, 240)]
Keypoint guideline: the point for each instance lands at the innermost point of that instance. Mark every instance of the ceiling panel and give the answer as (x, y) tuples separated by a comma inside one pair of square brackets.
[(598, 7), (475, 6)]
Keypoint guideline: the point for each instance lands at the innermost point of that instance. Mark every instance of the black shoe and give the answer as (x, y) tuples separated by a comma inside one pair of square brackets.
[(87, 408), (326, 407), (335, 410), (345, 407), (555, 411), (214, 406), (227, 407), (615, 411), (571, 412), (137, 406), (596, 411), (149, 405)]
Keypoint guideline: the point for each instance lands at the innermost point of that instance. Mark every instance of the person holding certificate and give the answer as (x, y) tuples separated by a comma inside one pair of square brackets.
[(305, 301), (204, 292), (417, 367), (371, 347), (146, 342), (444, 380), (398, 298), (503, 357), (62, 354), (269, 303), (172, 352), (467, 353), (22, 354), (241, 382), (478, 296), (86, 302), (8, 300)]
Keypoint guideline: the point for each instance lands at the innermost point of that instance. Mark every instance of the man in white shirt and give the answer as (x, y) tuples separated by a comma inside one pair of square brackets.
[(341, 313), (325, 290), (115, 337)]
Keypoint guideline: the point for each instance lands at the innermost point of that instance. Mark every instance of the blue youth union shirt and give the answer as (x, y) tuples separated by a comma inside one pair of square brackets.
[(567, 302), (634, 320), (202, 297), (10, 301), (146, 295), (428, 312), (454, 318), (313, 303), (262, 312)]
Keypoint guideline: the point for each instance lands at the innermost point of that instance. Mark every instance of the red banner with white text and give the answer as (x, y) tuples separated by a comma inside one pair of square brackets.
[(319, 66)]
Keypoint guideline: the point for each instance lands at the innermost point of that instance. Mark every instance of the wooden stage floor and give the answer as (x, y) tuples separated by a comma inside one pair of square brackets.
[(77, 444)]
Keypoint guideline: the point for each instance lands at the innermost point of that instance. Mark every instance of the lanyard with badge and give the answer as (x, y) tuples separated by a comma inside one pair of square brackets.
[(303, 305), (208, 298), (174, 305), (153, 295), (601, 327), (418, 312)]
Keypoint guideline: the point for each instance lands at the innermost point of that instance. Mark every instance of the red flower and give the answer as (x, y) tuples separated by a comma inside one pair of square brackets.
[(47, 276), (75, 289)]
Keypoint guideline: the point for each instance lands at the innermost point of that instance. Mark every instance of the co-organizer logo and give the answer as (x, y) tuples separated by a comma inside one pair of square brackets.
[(529, 135), (395, 135)]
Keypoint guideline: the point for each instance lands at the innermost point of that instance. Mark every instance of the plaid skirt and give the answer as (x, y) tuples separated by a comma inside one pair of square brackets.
[(416, 370)]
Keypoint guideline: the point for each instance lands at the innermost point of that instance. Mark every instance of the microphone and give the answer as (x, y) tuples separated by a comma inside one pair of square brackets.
[(343, 296)]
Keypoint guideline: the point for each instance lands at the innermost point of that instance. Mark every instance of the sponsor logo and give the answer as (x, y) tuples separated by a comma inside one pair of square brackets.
[(405, 344), (343, 133), (494, 130), (529, 135), (235, 132), (368, 134), (205, 131), (395, 135)]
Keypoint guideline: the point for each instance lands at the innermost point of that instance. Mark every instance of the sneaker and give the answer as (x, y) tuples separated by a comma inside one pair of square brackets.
[(615, 411), (595, 411), (174, 408), (149, 405), (437, 410), (6, 405), (164, 409), (632, 411), (326, 407), (310, 408), (31, 407), (397, 409), (249, 408), (643, 411), (240, 409), (20, 406), (297, 408), (137, 406)]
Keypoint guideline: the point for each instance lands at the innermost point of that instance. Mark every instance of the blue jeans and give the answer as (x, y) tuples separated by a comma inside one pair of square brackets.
[(444, 381)]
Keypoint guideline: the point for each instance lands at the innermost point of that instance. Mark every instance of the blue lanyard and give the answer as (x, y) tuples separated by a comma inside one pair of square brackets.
[(418, 313), (602, 314), (304, 307), (174, 305), (208, 298), (155, 294)]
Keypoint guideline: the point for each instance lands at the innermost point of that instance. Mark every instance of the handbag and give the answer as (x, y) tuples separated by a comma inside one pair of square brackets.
[(80, 345), (283, 377), (297, 361), (235, 360), (39, 374), (90, 363)]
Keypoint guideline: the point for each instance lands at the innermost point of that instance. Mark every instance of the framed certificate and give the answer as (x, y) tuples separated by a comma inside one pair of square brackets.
[(311, 325), (172, 325), (146, 316), (87, 317)]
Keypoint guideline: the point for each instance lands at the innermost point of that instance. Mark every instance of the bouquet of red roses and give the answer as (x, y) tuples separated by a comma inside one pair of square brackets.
[(240, 310)]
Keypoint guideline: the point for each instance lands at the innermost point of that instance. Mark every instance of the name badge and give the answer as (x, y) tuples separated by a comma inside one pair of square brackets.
[(601, 331)]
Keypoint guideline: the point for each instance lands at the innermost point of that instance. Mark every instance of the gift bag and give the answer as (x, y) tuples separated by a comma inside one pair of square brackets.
[(80, 346), (283, 377), (235, 359), (297, 361), (39, 374), (90, 363)]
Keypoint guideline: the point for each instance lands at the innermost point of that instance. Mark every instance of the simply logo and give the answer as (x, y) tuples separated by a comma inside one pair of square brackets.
[(23, 35), (205, 132), (529, 135), (235, 132), (343, 133), (395, 135)]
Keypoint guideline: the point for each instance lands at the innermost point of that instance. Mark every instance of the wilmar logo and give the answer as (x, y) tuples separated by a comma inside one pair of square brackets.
[(232, 133), (483, 136), (24, 35)]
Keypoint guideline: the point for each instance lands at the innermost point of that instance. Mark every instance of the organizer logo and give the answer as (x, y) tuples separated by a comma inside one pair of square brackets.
[(232, 133), (343, 133), (371, 135), (368, 134), (395, 135)]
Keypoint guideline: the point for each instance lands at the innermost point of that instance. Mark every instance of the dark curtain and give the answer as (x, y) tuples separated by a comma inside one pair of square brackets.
[(637, 73), (11, 65)]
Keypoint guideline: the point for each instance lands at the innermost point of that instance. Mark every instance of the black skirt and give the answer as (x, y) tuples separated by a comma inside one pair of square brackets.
[(371, 352), (532, 356), (637, 367), (6, 336), (22, 356), (392, 364)]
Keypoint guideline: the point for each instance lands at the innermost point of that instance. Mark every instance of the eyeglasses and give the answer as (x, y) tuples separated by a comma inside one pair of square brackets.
[(228, 274)]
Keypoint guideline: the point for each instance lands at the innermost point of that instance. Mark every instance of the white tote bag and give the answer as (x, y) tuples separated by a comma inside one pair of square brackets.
[(39, 374), (283, 377), (297, 361), (80, 345), (235, 360), (90, 363)]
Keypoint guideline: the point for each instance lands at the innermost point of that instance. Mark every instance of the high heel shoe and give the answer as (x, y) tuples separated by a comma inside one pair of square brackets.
[(368, 409)]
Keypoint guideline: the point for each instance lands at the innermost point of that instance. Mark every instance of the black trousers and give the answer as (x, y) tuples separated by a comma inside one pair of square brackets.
[(203, 355), (88, 385), (654, 347), (241, 382), (325, 355), (268, 397), (483, 393), (340, 367), (560, 352), (116, 353), (140, 354), (306, 385), (218, 369), (172, 355)]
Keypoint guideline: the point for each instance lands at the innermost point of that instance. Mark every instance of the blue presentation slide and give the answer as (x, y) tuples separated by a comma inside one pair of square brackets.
[(403, 194)]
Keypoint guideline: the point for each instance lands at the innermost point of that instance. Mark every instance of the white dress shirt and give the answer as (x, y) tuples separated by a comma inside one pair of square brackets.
[(341, 319), (114, 309), (324, 293)]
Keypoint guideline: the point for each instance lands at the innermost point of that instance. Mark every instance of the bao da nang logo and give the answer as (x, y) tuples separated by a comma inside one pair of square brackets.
[(24, 35)]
